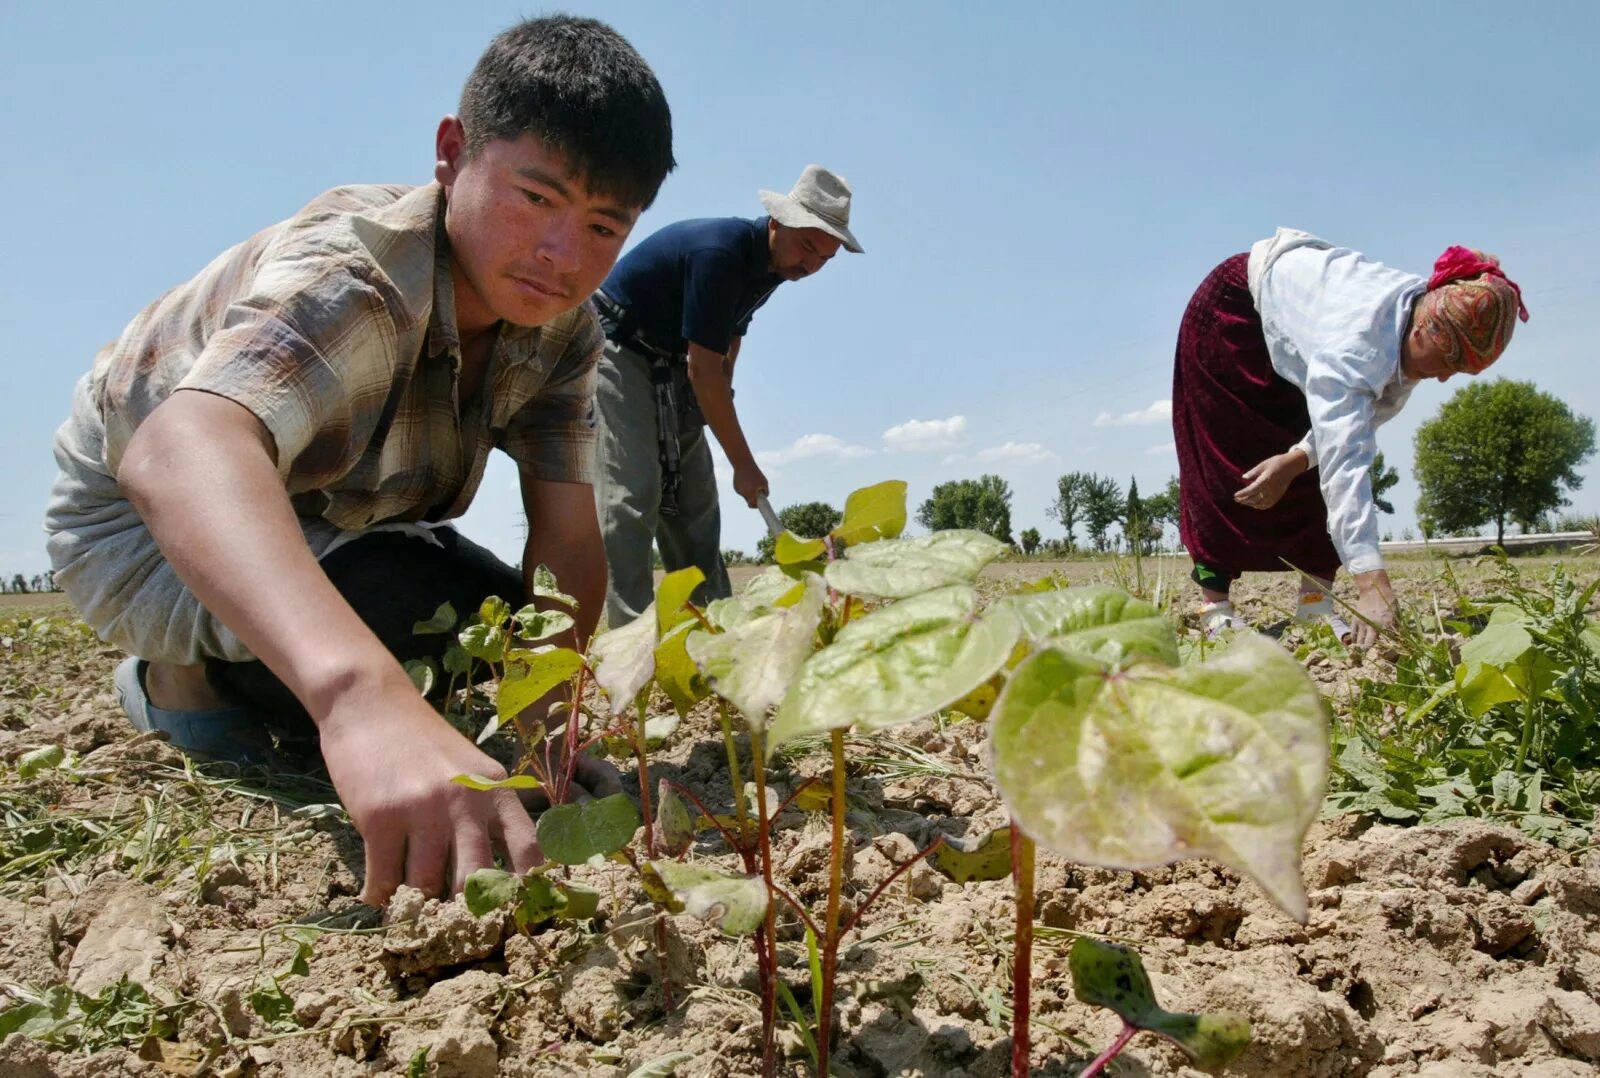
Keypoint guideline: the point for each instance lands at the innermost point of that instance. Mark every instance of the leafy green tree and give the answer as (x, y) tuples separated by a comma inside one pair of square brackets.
[(809, 520), (1030, 540), (983, 504), (1499, 451), (1383, 479), (1102, 507), (1068, 506), (1162, 509)]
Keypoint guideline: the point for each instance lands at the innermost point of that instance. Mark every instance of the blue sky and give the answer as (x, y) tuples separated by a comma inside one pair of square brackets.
[(1039, 188)]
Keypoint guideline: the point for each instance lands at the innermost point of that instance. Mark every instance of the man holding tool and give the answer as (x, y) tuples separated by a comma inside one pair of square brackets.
[(674, 311)]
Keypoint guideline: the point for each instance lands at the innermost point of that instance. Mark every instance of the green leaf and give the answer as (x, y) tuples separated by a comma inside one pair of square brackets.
[(424, 674), (274, 1007), (486, 642), (672, 598), (677, 673), (582, 901), (443, 620), (1225, 759), (572, 834), (490, 889), (674, 828), (456, 661), (790, 549), (897, 568), (515, 782), (772, 588), (897, 664), (873, 513), (34, 761), (1097, 620), (752, 666), (625, 659), (417, 1067), (1112, 976), (986, 856), (545, 587), (536, 624), (494, 612), (1500, 644), (736, 904), (1481, 686), (530, 675), (537, 900)]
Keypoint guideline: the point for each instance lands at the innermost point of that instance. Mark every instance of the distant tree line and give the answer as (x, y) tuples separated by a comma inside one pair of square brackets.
[(17, 584)]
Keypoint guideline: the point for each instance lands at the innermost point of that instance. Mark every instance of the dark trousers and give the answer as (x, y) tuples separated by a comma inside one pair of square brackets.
[(392, 581)]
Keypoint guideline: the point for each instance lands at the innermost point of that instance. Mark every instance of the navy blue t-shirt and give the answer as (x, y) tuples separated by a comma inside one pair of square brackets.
[(697, 280)]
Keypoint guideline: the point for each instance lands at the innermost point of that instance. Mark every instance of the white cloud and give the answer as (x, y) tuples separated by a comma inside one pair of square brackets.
[(1162, 450), (811, 446), (1019, 451), (916, 435), (1158, 412)]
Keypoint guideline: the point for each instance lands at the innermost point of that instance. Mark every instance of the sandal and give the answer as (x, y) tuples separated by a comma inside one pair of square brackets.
[(229, 734)]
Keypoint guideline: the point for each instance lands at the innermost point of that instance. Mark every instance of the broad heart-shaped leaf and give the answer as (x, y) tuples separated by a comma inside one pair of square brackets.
[(536, 624), (571, 834), (774, 587), (897, 664), (674, 592), (424, 673), (443, 620), (625, 659), (752, 666), (898, 568), (790, 549), (544, 587), (1225, 759), (737, 904), (490, 889), (1102, 621), (873, 513), (677, 673), (583, 901), (494, 611), (532, 674), (985, 856), (673, 829), (1481, 686), (538, 899), (1112, 976), (486, 642), (1500, 644)]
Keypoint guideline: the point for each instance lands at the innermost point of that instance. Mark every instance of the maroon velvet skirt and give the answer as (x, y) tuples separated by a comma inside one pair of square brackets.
[(1230, 411)]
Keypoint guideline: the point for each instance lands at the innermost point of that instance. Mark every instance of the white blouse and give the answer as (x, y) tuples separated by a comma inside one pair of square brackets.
[(1334, 321)]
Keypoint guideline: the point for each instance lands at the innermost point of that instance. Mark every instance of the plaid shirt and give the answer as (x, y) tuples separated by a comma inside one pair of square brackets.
[(337, 329)]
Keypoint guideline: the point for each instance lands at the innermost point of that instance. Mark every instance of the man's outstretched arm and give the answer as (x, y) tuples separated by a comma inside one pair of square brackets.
[(711, 375), (201, 471)]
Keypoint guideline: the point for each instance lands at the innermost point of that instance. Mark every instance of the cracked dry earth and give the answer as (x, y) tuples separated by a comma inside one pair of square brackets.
[(1459, 951)]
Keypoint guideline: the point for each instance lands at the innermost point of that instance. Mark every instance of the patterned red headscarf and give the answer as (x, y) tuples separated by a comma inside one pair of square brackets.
[(1474, 299)]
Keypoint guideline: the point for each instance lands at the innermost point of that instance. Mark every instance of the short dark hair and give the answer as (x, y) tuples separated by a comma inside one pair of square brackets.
[(578, 85)]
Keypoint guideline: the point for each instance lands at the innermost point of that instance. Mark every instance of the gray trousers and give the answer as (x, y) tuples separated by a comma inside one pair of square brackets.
[(627, 493)]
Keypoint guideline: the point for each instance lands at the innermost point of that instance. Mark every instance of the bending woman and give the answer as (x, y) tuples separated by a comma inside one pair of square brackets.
[(1289, 358)]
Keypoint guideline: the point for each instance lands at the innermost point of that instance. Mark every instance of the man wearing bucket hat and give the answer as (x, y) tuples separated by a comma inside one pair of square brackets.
[(674, 311)]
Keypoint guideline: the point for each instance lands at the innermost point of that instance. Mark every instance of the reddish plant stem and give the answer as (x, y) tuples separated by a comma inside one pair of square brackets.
[(830, 940), (1099, 1063), (727, 836), (767, 941), (900, 870), (800, 910), (1022, 951)]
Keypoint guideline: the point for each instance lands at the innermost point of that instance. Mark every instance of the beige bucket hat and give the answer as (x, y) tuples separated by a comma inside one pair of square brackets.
[(820, 199)]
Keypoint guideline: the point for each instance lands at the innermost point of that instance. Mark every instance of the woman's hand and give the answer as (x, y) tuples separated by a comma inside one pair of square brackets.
[(1376, 611), (1269, 479)]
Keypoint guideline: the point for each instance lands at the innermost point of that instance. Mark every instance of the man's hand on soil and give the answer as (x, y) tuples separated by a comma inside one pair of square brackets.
[(392, 759), (1376, 608)]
